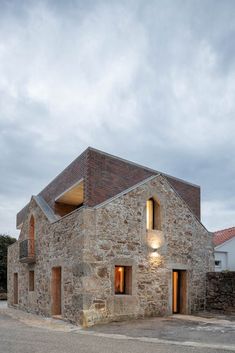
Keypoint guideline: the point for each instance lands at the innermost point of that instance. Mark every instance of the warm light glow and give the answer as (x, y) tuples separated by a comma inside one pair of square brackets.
[(154, 254), (154, 240), (175, 291), (149, 214), (155, 244), (119, 280)]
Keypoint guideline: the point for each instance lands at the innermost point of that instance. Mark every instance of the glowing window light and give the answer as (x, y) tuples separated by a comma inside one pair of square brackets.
[(149, 214), (119, 280)]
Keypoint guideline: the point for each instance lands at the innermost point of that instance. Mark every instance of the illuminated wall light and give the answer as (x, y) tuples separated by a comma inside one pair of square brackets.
[(155, 244), (155, 253)]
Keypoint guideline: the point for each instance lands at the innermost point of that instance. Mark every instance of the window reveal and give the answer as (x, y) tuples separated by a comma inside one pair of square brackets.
[(123, 280), (31, 281), (153, 215)]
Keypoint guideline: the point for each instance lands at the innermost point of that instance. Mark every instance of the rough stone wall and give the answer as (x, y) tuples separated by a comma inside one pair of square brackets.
[(117, 236), (220, 294), (57, 244), (89, 242)]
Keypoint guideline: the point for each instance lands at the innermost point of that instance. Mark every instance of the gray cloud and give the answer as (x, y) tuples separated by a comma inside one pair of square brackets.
[(153, 82)]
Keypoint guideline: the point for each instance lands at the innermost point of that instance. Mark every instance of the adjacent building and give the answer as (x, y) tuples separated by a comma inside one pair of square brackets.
[(224, 242), (107, 240)]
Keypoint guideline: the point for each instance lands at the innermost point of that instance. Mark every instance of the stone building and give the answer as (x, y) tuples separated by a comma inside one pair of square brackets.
[(107, 240)]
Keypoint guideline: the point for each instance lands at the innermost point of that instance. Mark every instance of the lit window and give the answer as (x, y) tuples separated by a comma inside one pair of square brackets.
[(31, 281), (153, 217), (149, 214), (123, 279)]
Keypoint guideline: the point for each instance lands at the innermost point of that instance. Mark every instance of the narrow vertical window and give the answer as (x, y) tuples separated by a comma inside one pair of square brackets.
[(31, 236), (123, 280), (150, 214), (31, 281), (153, 215)]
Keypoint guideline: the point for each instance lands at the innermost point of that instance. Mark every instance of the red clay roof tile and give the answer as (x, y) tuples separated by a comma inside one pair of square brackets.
[(223, 235)]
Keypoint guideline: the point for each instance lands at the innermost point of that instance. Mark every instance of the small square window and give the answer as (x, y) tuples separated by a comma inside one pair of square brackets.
[(123, 280), (31, 281), (218, 263)]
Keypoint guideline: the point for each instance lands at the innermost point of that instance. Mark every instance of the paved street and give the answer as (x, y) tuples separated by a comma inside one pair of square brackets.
[(25, 333)]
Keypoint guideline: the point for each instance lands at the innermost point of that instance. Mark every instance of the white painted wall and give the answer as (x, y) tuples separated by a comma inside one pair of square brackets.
[(226, 254), (221, 261)]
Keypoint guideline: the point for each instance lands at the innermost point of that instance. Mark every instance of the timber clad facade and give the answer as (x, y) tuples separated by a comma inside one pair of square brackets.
[(111, 240)]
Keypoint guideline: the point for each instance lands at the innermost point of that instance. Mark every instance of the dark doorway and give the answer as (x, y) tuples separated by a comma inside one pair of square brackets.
[(179, 292), (56, 291), (15, 299)]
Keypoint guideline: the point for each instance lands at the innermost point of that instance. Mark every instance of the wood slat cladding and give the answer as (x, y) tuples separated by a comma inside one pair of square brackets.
[(104, 177)]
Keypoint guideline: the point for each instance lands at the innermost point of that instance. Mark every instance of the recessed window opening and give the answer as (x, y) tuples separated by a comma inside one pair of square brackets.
[(31, 228), (123, 279), (70, 199), (218, 263), (56, 288), (31, 281), (153, 215), (31, 236)]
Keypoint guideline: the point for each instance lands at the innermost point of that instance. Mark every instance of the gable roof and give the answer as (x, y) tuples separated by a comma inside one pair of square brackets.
[(104, 177), (221, 236)]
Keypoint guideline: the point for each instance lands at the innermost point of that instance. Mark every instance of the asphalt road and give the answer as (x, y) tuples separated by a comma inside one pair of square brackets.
[(27, 334)]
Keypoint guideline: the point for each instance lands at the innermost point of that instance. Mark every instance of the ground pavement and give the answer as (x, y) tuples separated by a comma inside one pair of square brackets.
[(21, 332)]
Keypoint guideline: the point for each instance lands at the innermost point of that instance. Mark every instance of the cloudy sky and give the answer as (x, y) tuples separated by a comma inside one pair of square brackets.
[(150, 81)]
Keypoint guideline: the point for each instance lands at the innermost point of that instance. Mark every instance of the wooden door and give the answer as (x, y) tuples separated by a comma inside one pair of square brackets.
[(175, 292), (56, 291), (179, 292), (15, 299)]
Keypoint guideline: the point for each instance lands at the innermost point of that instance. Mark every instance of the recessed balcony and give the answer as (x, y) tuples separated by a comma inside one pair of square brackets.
[(27, 251)]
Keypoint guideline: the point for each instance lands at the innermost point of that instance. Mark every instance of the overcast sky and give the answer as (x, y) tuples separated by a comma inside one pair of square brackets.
[(150, 81)]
